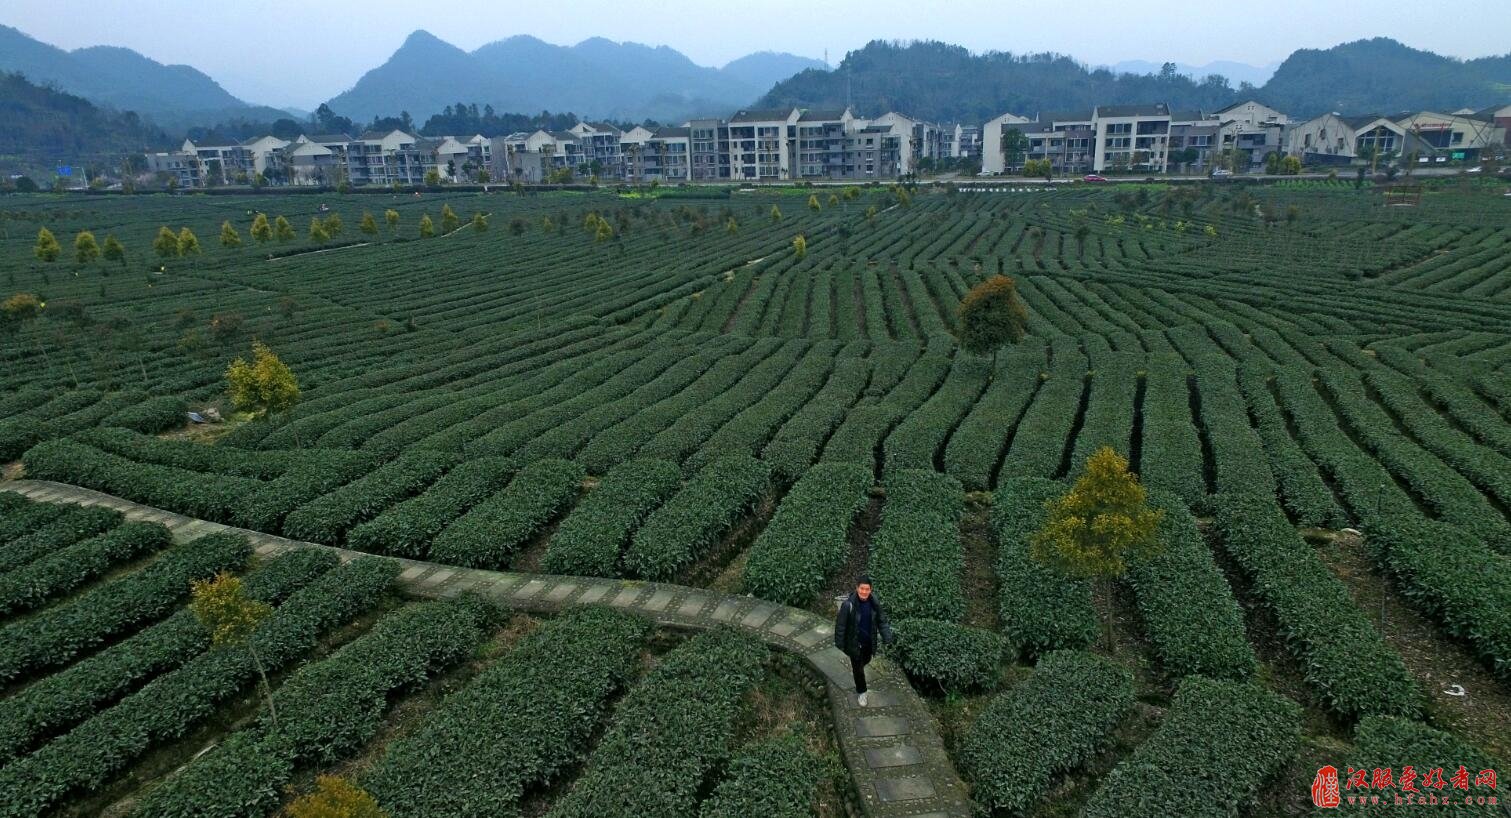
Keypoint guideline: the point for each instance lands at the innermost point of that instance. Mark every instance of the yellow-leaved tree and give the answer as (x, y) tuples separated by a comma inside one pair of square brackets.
[(1100, 527), (266, 385), (222, 606), (335, 797), (991, 316)]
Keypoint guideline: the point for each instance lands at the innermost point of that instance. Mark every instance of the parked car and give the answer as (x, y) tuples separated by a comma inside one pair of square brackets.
[(1221, 173), (1092, 177)]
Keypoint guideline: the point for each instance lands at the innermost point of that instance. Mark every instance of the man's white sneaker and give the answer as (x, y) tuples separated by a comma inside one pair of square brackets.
[(862, 700)]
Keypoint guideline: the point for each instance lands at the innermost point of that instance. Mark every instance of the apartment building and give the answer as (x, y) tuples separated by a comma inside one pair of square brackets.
[(1136, 138), (708, 149), (993, 159), (960, 141), (1434, 137), (1334, 139), (759, 144), (656, 155)]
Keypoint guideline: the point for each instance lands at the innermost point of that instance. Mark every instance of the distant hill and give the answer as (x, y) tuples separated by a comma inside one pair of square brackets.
[(945, 82), (596, 78), (45, 128), (1235, 72), (1384, 76), (172, 96)]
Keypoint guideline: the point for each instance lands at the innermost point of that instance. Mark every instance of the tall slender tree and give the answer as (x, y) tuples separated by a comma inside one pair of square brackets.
[(229, 238), (85, 248), (166, 244), (1100, 527), (47, 248), (262, 232)]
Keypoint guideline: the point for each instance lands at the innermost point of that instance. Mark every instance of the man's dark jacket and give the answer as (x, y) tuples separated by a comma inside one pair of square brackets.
[(847, 624)]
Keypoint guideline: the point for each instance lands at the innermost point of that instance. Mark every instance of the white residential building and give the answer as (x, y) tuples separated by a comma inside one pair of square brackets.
[(992, 159), (1337, 140)]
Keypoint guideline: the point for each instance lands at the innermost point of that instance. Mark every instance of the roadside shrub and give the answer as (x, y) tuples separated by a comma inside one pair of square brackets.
[(1242, 729), (693, 696), (151, 416), (588, 542), (916, 555), (489, 534), (777, 778), (805, 542), (1044, 727), (1337, 648), (1041, 610), (63, 632), (518, 723), (32, 585), (954, 657), (692, 521), (62, 699)]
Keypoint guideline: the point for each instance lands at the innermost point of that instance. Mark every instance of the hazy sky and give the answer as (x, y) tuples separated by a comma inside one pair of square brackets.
[(300, 52)]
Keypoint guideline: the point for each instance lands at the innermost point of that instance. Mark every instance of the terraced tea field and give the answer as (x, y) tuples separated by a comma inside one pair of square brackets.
[(1314, 387)]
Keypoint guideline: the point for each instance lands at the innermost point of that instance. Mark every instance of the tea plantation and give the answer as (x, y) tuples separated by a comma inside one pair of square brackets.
[(1313, 385)]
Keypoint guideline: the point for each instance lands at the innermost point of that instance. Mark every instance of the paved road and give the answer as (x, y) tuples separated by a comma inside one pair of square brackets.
[(892, 748)]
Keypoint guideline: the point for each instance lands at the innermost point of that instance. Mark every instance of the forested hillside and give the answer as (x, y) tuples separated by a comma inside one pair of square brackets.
[(938, 81), (44, 126)]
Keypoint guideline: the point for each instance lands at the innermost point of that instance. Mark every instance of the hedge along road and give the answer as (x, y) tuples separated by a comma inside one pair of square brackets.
[(892, 748)]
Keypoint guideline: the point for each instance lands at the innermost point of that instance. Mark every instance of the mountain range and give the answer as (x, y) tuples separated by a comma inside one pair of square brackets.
[(603, 79), (172, 96), (943, 82), (595, 78)]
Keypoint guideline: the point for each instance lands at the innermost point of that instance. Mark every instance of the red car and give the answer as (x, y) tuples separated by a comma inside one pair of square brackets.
[(1092, 177)]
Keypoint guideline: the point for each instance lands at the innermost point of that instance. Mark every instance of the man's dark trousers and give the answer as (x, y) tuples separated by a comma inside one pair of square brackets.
[(858, 665)]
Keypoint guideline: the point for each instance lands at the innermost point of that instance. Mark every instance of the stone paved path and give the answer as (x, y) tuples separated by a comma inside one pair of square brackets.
[(892, 748)]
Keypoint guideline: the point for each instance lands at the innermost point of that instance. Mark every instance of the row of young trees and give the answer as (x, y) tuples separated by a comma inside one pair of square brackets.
[(169, 244)]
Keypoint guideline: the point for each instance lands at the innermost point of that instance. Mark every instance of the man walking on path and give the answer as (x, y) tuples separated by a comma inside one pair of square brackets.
[(859, 622)]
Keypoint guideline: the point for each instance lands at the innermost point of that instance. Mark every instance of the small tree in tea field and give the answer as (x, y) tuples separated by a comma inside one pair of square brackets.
[(114, 250), (427, 227), (813, 203), (262, 232), (265, 385), (392, 218), (1100, 527), (800, 246), (333, 225), (480, 224), (449, 221), (229, 238), (335, 797), (776, 213), (17, 311), (47, 248), (85, 248), (222, 606), (368, 225), (166, 244), (318, 233), (991, 316), (188, 243), (282, 230)]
